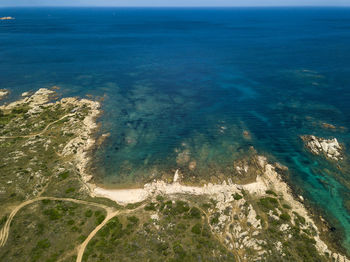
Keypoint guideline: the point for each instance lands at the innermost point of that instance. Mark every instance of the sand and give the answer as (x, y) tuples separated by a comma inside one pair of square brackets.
[(270, 179)]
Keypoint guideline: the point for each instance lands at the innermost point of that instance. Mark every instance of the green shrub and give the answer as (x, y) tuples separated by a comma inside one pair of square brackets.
[(286, 206), (53, 257), (134, 220), (161, 207), (88, 213), (19, 110), (3, 220), (160, 198), (270, 192), (133, 206), (179, 250), (285, 217), (215, 218), (237, 196), (75, 229), (195, 213), (70, 190), (197, 229), (268, 203), (52, 213), (206, 205), (40, 229), (162, 246), (43, 244), (151, 207), (213, 202), (181, 207), (100, 218), (98, 213), (45, 201), (180, 228), (206, 231), (81, 238), (63, 175), (299, 219), (114, 229)]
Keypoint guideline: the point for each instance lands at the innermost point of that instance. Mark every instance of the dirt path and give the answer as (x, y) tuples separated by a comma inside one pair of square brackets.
[(110, 215), (4, 232), (81, 248), (42, 131)]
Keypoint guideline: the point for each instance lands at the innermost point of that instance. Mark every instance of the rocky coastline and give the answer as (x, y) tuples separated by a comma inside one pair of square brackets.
[(223, 193), (268, 193)]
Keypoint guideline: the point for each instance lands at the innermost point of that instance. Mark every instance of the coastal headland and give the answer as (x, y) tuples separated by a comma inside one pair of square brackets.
[(47, 196)]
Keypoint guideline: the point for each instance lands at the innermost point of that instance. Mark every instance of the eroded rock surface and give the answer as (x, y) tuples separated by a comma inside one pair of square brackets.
[(330, 148), (3, 93)]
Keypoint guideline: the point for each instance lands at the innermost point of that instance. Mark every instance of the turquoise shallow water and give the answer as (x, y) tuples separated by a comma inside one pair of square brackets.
[(181, 85)]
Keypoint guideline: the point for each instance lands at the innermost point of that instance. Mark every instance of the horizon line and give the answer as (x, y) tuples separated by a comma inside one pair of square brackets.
[(178, 6)]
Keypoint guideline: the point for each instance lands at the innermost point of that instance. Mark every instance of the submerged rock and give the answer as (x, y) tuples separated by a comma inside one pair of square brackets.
[(330, 148), (183, 157), (328, 126), (247, 135), (192, 165)]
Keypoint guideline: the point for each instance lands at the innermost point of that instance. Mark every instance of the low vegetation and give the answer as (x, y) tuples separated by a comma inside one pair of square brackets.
[(49, 231), (178, 232), (240, 227)]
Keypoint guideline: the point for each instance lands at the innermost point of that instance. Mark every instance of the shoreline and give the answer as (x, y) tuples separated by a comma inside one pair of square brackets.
[(125, 196), (80, 149), (269, 179)]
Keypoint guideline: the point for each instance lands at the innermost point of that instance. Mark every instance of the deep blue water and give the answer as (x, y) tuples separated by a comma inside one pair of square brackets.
[(192, 80)]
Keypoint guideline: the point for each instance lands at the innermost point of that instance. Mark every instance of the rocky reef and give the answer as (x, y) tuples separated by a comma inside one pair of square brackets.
[(330, 148)]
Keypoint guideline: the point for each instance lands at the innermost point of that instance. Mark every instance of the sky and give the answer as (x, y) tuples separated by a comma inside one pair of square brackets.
[(153, 3)]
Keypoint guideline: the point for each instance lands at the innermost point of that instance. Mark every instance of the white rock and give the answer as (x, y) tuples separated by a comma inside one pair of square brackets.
[(329, 147), (3, 93)]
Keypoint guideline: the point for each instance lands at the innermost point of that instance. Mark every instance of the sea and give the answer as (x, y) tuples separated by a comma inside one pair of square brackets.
[(198, 85)]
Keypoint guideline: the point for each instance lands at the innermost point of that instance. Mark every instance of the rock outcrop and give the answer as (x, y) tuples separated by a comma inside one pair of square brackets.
[(35, 102), (232, 217), (3, 93), (330, 148)]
